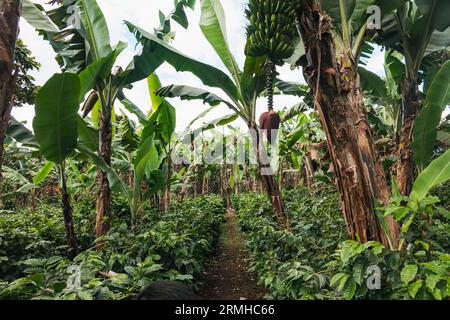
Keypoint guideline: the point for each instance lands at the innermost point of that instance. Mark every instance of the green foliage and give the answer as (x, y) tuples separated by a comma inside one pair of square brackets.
[(293, 265), (419, 271), (25, 63), (426, 126), (55, 123), (173, 246)]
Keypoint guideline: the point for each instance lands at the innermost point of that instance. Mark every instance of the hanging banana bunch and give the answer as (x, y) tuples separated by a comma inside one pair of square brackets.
[(271, 32)]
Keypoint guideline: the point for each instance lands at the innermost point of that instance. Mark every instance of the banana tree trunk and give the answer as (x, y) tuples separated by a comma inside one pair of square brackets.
[(309, 169), (186, 183), (280, 177), (405, 164), (334, 83), (10, 11), (226, 186), (103, 204), (67, 213), (204, 184), (268, 180), (166, 196)]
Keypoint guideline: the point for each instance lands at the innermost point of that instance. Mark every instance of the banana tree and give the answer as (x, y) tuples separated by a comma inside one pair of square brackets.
[(407, 209), (416, 29), (435, 98), (82, 45), (9, 24), (334, 34), (242, 89), (55, 127)]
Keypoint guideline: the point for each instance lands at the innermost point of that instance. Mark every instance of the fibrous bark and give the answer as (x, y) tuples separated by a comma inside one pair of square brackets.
[(67, 213), (405, 163), (334, 82), (10, 11), (103, 204), (267, 176)]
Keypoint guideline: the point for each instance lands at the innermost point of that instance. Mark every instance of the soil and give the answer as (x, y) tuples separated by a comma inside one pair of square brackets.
[(227, 276)]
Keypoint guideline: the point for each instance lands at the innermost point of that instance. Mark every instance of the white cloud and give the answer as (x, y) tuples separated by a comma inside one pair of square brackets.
[(191, 42)]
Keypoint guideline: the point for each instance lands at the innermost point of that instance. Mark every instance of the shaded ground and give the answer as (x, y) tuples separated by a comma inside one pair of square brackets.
[(227, 276)]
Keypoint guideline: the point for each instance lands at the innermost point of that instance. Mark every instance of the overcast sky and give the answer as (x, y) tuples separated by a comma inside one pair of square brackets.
[(144, 13)]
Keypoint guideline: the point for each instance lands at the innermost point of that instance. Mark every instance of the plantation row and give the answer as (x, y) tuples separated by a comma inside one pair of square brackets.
[(316, 261), (173, 245), (342, 192)]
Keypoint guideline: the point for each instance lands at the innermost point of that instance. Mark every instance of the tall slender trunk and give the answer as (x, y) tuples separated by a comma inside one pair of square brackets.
[(309, 172), (67, 213), (103, 204), (334, 82), (405, 165), (204, 184), (195, 180), (226, 186), (280, 177), (235, 180), (10, 11), (267, 177), (186, 182), (166, 196)]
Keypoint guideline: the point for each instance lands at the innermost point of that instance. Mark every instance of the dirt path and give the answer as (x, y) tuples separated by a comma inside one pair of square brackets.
[(227, 276)]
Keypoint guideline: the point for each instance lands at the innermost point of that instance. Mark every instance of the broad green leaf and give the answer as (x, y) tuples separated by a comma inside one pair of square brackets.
[(87, 135), (201, 115), (218, 122), (55, 122), (431, 281), (438, 10), (408, 273), (425, 135), (156, 51), (349, 289), (97, 33), (372, 83), (95, 113), (439, 93), (359, 14), (75, 170), (114, 180), (414, 288), (253, 78), (154, 84), (213, 26), (17, 131), (98, 70), (388, 6), (191, 93), (43, 173), (425, 128), (444, 137), (291, 88), (437, 172), (231, 181), (167, 119), (294, 111), (336, 279), (36, 17), (133, 108), (146, 159), (14, 176), (358, 271)]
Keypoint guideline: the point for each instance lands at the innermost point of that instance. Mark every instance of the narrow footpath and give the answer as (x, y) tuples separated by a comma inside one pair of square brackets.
[(227, 276)]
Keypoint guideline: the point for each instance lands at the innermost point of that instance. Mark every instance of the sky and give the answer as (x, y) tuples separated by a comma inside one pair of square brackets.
[(144, 13)]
